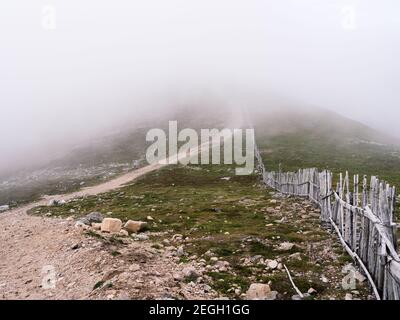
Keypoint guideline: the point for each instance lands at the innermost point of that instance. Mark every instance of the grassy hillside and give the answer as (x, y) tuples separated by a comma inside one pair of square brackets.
[(236, 221), (295, 139), (102, 159), (322, 139)]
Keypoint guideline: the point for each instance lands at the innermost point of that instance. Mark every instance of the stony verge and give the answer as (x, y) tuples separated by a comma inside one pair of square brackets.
[(209, 234)]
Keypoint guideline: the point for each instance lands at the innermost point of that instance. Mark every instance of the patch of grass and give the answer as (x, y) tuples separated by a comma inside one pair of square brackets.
[(184, 259), (227, 218), (303, 265), (98, 284), (258, 248), (191, 278), (345, 259), (91, 233), (307, 148), (156, 246), (223, 281)]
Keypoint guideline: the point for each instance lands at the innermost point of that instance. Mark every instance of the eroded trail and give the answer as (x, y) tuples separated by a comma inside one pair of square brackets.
[(29, 245), (94, 265)]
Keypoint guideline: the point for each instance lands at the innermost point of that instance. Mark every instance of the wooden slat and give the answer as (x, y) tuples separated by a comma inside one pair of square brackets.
[(364, 221)]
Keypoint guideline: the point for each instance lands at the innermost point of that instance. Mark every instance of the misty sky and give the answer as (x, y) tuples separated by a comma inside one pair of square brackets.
[(71, 68)]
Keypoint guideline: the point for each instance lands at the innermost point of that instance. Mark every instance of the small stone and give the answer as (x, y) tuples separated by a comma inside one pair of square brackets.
[(272, 264), (135, 226), (81, 225), (111, 225), (141, 237), (190, 273), (94, 217), (271, 295), (84, 221), (285, 246), (96, 226), (134, 267), (295, 256), (348, 296), (177, 277), (324, 279), (213, 259), (312, 291), (258, 291), (180, 252), (124, 232), (359, 276), (150, 218), (4, 208), (177, 237)]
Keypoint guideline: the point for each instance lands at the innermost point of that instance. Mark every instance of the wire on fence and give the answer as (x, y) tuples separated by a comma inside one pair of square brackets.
[(362, 214)]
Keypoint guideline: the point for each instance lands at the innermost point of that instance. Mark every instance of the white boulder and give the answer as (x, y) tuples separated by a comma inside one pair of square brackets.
[(4, 208), (111, 225), (260, 291), (135, 226)]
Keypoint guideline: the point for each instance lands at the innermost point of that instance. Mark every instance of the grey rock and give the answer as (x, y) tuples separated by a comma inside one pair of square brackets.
[(180, 252), (312, 291), (84, 221), (141, 237), (75, 246), (4, 208), (256, 258), (190, 273), (95, 217), (285, 246)]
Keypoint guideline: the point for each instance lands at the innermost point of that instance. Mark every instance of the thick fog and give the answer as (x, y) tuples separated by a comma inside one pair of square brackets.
[(74, 69)]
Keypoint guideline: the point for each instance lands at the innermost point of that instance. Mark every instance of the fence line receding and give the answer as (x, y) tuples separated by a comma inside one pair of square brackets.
[(362, 215)]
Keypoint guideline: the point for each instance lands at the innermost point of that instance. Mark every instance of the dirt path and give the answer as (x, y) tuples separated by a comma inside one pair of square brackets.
[(29, 244)]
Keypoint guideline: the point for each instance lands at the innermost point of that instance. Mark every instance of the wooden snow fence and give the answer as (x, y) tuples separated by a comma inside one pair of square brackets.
[(362, 215)]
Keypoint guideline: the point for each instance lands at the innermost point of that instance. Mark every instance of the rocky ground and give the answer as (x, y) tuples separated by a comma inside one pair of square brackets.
[(233, 241), (55, 260)]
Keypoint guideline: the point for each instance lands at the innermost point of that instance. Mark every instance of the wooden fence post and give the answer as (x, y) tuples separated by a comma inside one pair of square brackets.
[(364, 222)]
